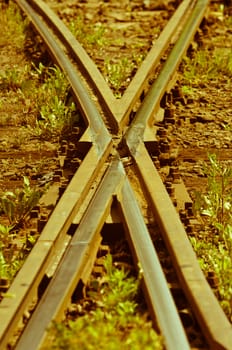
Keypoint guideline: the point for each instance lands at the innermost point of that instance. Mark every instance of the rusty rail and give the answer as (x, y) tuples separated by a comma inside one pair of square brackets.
[(86, 238)]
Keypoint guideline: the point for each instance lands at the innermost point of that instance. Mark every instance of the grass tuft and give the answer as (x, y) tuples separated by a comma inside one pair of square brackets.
[(115, 322)]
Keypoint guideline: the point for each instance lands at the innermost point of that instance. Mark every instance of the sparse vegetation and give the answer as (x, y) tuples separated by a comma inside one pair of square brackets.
[(56, 114), (18, 204), (114, 322), (214, 209), (118, 71), (89, 35), (36, 106), (44, 91), (119, 74), (15, 207), (216, 203), (12, 79), (206, 66)]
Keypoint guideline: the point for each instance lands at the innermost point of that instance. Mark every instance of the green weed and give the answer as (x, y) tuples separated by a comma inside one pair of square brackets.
[(213, 256), (115, 322), (187, 90), (5, 231), (89, 35), (10, 265), (12, 255), (17, 205), (3, 266), (206, 66), (118, 74), (216, 203), (56, 113), (214, 208), (14, 78), (9, 262), (44, 93)]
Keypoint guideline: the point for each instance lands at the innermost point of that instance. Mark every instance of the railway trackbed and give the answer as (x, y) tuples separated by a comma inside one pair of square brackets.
[(116, 181)]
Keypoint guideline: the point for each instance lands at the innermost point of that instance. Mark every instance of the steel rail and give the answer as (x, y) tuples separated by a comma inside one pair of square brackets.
[(206, 306), (78, 254), (169, 35), (25, 285), (118, 109), (139, 147), (77, 52), (49, 235), (85, 103), (158, 295), (23, 288), (82, 251), (147, 111)]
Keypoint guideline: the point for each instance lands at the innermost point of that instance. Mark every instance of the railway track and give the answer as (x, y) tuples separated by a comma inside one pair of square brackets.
[(120, 139)]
